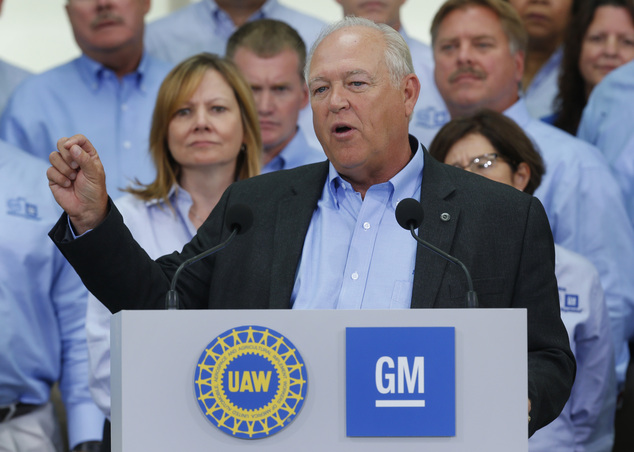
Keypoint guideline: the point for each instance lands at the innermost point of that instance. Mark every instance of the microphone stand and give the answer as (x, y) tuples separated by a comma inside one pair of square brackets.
[(171, 299), (472, 297)]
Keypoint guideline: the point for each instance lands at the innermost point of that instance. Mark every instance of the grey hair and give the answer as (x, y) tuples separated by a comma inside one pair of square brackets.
[(397, 55)]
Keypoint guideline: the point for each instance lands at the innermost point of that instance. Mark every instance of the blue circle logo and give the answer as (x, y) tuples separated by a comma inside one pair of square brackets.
[(250, 382)]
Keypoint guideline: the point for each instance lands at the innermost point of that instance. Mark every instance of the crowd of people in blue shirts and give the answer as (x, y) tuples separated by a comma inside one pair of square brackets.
[(560, 70)]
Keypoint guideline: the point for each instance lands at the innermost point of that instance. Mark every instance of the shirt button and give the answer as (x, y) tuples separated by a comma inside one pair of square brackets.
[(127, 144), (366, 225), (355, 276), (124, 107)]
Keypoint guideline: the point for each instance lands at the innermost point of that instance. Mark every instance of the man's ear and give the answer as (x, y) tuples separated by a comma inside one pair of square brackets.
[(410, 90)]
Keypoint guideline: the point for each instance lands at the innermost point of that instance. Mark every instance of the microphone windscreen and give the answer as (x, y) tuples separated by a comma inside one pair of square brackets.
[(409, 212), (240, 217)]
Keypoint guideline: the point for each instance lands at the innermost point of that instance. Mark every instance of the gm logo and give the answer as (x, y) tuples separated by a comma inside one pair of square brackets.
[(405, 379), (250, 382), (400, 381)]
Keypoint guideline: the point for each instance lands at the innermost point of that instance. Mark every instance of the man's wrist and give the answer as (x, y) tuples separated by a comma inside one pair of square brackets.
[(88, 446)]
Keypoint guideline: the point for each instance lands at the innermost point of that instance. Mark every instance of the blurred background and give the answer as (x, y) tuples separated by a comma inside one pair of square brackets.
[(36, 35)]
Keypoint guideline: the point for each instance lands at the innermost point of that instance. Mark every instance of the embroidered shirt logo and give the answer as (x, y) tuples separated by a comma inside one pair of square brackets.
[(20, 207), (569, 302)]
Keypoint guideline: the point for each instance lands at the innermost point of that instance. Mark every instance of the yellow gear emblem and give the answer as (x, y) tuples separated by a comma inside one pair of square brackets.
[(250, 382)]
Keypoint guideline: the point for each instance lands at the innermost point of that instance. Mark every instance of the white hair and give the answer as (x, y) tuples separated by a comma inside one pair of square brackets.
[(397, 55)]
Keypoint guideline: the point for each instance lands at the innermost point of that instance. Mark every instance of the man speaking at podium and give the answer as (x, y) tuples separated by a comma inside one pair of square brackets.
[(325, 235)]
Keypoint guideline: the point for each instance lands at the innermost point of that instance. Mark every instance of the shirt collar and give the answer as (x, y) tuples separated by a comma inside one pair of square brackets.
[(290, 156), (265, 11), (518, 112), (405, 184), (94, 72)]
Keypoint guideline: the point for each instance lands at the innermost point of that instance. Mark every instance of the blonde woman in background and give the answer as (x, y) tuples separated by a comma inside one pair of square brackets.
[(205, 135)]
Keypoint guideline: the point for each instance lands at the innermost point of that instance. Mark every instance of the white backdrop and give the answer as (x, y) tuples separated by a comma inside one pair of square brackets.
[(36, 35)]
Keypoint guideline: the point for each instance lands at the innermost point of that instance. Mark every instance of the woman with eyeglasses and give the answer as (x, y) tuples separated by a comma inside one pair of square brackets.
[(493, 146)]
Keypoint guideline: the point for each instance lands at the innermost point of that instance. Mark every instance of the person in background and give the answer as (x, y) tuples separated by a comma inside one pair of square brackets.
[(271, 55), (600, 39), (606, 123), (430, 112), (10, 77), (42, 319), (479, 53), (204, 137), (546, 22), (493, 146), (108, 92), (206, 25)]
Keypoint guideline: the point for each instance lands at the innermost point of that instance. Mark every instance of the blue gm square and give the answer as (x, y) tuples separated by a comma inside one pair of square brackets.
[(400, 381)]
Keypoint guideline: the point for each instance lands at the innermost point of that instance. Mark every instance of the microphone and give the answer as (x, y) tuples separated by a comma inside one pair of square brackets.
[(409, 214), (239, 219)]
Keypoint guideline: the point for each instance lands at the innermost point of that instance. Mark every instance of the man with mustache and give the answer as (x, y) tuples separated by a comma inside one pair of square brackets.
[(271, 55), (430, 111), (479, 48), (109, 92)]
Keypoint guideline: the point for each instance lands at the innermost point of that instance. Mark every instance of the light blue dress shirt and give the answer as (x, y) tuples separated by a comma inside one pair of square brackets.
[(83, 96), (357, 266), (296, 153), (204, 27), (587, 420), (159, 231), (544, 88), (607, 124), (587, 215), (10, 77), (430, 112), (43, 302)]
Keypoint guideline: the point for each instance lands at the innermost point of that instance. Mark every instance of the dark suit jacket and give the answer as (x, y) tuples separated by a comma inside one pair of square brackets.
[(501, 234)]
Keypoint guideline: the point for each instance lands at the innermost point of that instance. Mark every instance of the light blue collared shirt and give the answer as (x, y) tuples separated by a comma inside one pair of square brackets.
[(543, 90), (607, 124), (587, 420), (159, 231), (430, 112), (296, 153), (357, 266), (42, 301), (83, 96), (10, 78), (204, 27), (587, 215)]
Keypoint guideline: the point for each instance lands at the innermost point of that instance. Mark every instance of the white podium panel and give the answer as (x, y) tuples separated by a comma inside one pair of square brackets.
[(155, 355)]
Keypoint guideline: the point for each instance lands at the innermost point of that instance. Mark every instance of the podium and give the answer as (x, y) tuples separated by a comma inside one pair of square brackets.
[(154, 356)]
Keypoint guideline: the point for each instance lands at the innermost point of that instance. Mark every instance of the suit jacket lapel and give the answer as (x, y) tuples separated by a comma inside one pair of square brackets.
[(437, 229), (294, 212)]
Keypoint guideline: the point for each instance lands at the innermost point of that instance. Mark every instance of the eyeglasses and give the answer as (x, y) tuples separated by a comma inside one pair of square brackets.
[(480, 164)]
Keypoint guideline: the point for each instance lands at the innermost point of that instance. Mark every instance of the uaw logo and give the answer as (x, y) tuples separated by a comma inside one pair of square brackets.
[(251, 382)]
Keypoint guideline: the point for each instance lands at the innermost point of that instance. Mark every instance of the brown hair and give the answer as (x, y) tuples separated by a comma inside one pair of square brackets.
[(267, 38), (179, 85), (572, 98), (509, 19), (506, 137)]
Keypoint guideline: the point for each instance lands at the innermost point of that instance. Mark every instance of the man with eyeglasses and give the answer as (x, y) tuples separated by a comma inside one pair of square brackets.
[(479, 48)]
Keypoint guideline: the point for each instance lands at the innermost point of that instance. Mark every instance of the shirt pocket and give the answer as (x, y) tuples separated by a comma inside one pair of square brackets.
[(401, 295)]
